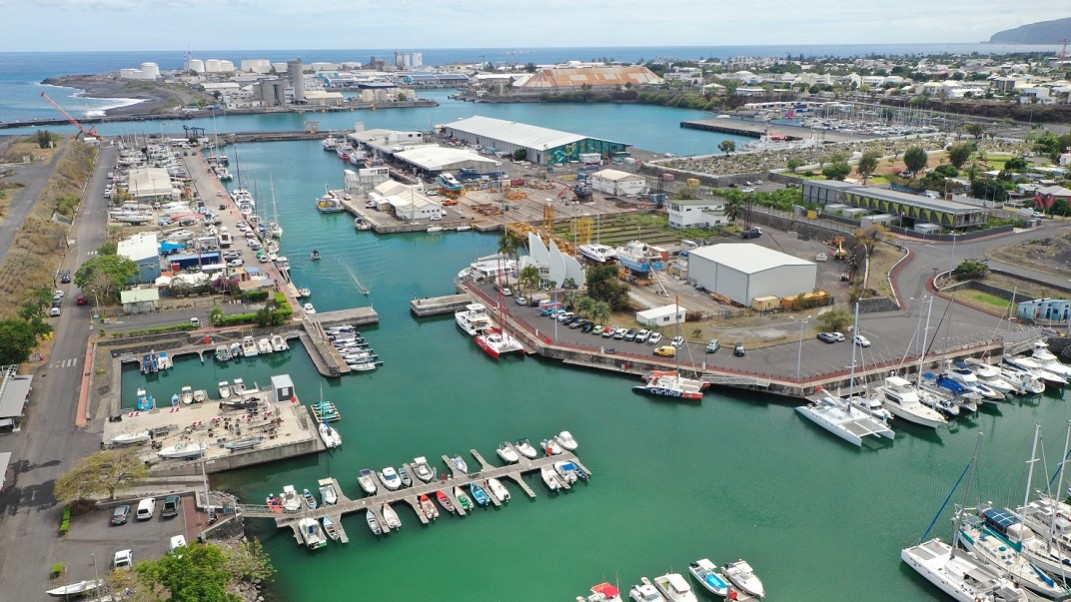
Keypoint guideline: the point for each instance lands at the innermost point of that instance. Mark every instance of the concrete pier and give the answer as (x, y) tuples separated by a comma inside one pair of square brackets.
[(756, 129), (435, 306)]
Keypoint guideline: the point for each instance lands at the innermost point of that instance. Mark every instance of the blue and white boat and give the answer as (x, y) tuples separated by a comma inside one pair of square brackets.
[(448, 181), (145, 401), (638, 257), (479, 494), (709, 576)]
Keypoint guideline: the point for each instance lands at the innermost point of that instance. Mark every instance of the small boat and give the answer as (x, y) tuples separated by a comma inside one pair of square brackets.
[(315, 255), (186, 395), (566, 471), (224, 389), (304, 292), (243, 443), (497, 489), (146, 364), (479, 494), (309, 309), (463, 500), (743, 577), (709, 576), (459, 463), (131, 438), (361, 224), (444, 501), (200, 396), (328, 493), (310, 499), (331, 529), (76, 589), (184, 451), (264, 346), (645, 591), (174, 400), (312, 533), (366, 478), (428, 508), (373, 523), (675, 588), (391, 517), (330, 436), (580, 472), (526, 448), (566, 440), (551, 447), (163, 361), (434, 229), (249, 347), (238, 388), (275, 503), (403, 474), (145, 401), (603, 592), (223, 353), (423, 470), (236, 350), (495, 342), (291, 500), (279, 344), (550, 478), (507, 453), (390, 478)]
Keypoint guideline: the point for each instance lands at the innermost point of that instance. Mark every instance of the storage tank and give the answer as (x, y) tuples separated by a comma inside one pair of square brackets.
[(150, 70), (212, 66), (196, 65), (226, 66), (296, 73)]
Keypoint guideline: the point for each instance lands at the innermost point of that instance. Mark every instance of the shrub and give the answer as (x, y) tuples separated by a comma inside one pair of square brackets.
[(65, 526), (255, 296), (58, 568)]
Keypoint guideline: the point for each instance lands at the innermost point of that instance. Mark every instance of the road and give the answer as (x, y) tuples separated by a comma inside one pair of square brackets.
[(33, 177)]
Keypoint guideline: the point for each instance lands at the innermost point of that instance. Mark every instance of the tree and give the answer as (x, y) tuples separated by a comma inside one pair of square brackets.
[(604, 285), (108, 247), (249, 562), (584, 306), (959, 153), (989, 190), (530, 67), (975, 129), (971, 269), (1017, 164), (837, 171), (520, 154), (198, 574), (530, 278), (601, 312), (106, 275), (946, 171), (794, 163), (687, 193), (868, 237), (269, 315), (867, 164), (735, 208), (915, 158), (727, 146), (836, 320), (17, 340), (44, 138), (102, 472)]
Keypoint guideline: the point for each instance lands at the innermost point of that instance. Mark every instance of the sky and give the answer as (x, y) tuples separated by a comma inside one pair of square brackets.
[(81, 25)]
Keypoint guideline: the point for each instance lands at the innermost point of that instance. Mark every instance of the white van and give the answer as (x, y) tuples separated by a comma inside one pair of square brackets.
[(146, 508)]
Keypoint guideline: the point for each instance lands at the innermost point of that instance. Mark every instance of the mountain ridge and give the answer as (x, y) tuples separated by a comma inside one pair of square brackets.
[(1041, 32)]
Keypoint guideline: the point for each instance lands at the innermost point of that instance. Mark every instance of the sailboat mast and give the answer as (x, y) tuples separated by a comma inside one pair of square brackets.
[(925, 342), (855, 329), (966, 496), (1030, 465)]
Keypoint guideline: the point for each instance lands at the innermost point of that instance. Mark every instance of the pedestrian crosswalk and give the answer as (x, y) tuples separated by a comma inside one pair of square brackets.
[(67, 363), (91, 253)]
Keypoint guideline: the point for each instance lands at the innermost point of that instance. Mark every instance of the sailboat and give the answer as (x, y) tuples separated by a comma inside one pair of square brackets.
[(497, 341), (670, 383)]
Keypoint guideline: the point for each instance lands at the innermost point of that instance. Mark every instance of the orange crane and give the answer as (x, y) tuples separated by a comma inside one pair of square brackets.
[(92, 131)]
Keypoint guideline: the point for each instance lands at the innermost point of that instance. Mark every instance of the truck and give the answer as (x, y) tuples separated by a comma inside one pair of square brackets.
[(548, 307), (751, 233)]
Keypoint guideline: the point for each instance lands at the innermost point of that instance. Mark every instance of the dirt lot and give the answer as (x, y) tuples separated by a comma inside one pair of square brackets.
[(1050, 255)]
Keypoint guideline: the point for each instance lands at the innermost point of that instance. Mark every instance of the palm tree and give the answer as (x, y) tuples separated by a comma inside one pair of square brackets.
[(530, 277), (735, 209), (585, 306), (570, 298), (509, 243), (601, 312)]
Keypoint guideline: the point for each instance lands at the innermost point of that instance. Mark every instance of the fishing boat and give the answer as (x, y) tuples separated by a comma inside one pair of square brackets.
[(328, 493), (373, 523), (390, 479), (525, 448), (291, 499), (597, 252), (249, 347), (275, 503), (473, 319), (187, 450), (200, 396), (742, 576), (145, 401), (403, 474), (223, 353), (330, 528), (131, 438), (463, 500), (264, 346), (243, 443), (550, 478), (479, 494), (423, 470), (310, 499), (238, 387), (508, 454), (390, 517), (566, 471), (309, 309), (428, 508), (278, 344), (566, 440), (76, 589), (444, 501), (224, 389), (497, 489), (459, 463), (675, 588), (330, 436), (709, 576), (312, 533), (329, 203), (304, 292), (900, 397), (645, 591), (1046, 360), (186, 395), (550, 447), (495, 342), (366, 478)]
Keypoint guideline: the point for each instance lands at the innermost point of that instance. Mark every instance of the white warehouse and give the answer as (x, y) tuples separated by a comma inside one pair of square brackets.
[(743, 271), (618, 183)]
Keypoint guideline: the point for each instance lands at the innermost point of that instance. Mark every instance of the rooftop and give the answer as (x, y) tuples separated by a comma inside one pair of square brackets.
[(520, 134), (435, 158), (747, 257)]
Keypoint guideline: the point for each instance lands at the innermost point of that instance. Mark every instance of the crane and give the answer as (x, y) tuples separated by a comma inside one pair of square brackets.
[(92, 131)]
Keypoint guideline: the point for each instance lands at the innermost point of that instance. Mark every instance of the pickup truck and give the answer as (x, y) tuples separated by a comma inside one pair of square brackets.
[(751, 233)]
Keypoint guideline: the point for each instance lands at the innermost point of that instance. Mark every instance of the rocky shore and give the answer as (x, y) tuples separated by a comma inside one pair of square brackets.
[(156, 98)]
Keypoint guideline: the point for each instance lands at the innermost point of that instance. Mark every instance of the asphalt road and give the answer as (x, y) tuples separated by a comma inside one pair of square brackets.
[(33, 177)]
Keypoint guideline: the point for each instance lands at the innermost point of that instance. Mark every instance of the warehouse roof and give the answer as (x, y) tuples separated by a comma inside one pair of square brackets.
[(436, 158), (149, 182), (747, 257), (138, 247), (615, 175), (519, 134)]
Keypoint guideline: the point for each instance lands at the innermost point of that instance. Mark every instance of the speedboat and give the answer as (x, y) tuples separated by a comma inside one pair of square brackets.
[(131, 438), (331, 529), (444, 501), (473, 319), (459, 463), (389, 477), (428, 508), (479, 494), (565, 471), (328, 493), (373, 523), (423, 470), (743, 577), (507, 453), (526, 448), (551, 447), (278, 344), (264, 346), (200, 396), (145, 401), (309, 309), (223, 353), (709, 576), (184, 451), (76, 589), (291, 500), (675, 588), (304, 292), (901, 398), (550, 478), (566, 440), (186, 395), (497, 489), (390, 517), (597, 252), (464, 502), (403, 474), (310, 499), (330, 436), (645, 591), (238, 388), (366, 478), (312, 533)]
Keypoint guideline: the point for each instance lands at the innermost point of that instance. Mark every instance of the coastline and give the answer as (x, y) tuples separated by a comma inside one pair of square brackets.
[(129, 101)]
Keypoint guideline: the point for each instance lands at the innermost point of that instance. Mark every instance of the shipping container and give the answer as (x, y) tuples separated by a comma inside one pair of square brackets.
[(770, 303)]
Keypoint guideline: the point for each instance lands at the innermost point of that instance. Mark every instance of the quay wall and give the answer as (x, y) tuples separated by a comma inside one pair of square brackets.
[(243, 459)]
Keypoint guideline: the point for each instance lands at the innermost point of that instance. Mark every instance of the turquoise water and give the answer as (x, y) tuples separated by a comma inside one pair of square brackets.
[(735, 476)]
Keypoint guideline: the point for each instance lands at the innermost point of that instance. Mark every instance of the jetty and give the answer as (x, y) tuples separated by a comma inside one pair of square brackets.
[(411, 495), (435, 306)]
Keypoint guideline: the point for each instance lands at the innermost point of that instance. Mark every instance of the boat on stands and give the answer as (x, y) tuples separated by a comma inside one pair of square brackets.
[(390, 517), (645, 591), (709, 576), (366, 478), (479, 494), (241, 444), (473, 319), (447, 181), (131, 438), (507, 453), (428, 508), (76, 589), (675, 588), (373, 523), (525, 448), (638, 257), (328, 493), (497, 489), (423, 470), (278, 343), (183, 451), (330, 436), (444, 501), (661, 383), (902, 399), (331, 529), (291, 499), (463, 500), (495, 342), (597, 253), (390, 479)]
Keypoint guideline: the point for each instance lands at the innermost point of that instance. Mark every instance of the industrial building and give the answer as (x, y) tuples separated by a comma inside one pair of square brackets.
[(144, 250), (433, 160), (618, 183), (149, 184), (696, 213), (593, 78), (908, 207), (434, 79), (14, 395), (741, 272), (405, 202), (661, 316), (295, 72), (1045, 311), (383, 143), (540, 145)]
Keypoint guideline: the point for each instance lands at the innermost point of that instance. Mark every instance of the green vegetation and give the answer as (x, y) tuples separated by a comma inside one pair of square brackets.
[(102, 472), (105, 276), (200, 572), (988, 299), (58, 568), (65, 523), (867, 164), (1052, 146), (915, 158), (727, 146), (971, 269), (604, 286), (837, 171), (274, 313), (959, 153), (155, 330), (835, 320)]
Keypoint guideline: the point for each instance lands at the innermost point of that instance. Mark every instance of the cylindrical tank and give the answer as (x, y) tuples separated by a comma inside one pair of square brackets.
[(196, 65)]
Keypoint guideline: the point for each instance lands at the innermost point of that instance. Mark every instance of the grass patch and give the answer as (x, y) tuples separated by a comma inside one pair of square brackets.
[(988, 299)]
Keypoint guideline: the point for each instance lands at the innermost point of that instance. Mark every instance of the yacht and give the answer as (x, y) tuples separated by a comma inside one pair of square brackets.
[(448, 181), (989, 374), (902, 399), (960, 575), (473, 319), (249, 347), (495, 342), (963, 374), (597, 253), (1027, 364), (844, 419), (1025, 382), (743, 577), (390, 479), (1046, 360), (674, 587), (645, 591)]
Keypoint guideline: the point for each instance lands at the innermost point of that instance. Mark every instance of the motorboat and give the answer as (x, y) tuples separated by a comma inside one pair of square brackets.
[(329, 143), (550, 478), (495, 342), (236, 350), (76, 589), (403, 474), (264, 346), (330, 436), (331, 529), (328, 493), (428, 508), (366, 478), (200, 396), (479, 494), (962, 373), (464, 502), (901, 398), (603, 592), (565, 471), (840, 417), (330, 203), (186, 395), (473, 319), (131, 438), (249, 347), (278, 344), (184, 451), (275, 503), (498, 490), (304, 292), (566, 440), (361, 224), (670, 383), (423, 470), (645, 591), (444, 500), (675, 588), (312, 533), (550, 447), (1047, 360), (163, 361), (389, 477), (870, 404), (938, 398), (961, 576), (390, 517), (459, 463), (309, 309), (525, 448), (315, 255), (597, 252), (1026, 364), (373, 523), (145, 401), (508, 454), (223, 353), (240, 444), (291, 499), (709, 576), (448, 182), (742, 576), (638, 257), (175, 400), (310, 499), (1024, 382)]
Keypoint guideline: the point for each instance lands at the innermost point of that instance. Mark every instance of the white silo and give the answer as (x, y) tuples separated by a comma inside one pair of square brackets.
[(150, 70), (195, 65), (296, 73), (226, 67), (212, 66)]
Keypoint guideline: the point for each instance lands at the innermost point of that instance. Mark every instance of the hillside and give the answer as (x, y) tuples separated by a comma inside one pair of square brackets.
[(1042, 32)]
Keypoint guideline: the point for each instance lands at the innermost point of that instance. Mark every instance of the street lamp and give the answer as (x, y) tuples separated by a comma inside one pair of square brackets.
[(799, 354)]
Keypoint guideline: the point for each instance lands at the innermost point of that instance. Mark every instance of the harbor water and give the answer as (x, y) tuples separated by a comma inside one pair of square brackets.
[(735, 476)]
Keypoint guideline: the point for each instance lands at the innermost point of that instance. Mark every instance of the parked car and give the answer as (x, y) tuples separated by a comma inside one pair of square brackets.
[(81, 300), (738, 350), (631, 334), (839, 336), (54, 312), (666, 351), (586, 328), (506, 292), (608, 332), (565, 316), (677, 341), (861, 340), (827, 337), (641, 336), (234, 263), (65, 276), (599, 328), (713, 345), (172, 503), (121, 514), (124, 559), (620, 333), (655, 338), (751, 233), (521, 300)]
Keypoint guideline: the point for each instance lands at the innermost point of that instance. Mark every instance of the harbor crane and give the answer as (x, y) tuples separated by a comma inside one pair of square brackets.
[(91, 131)]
